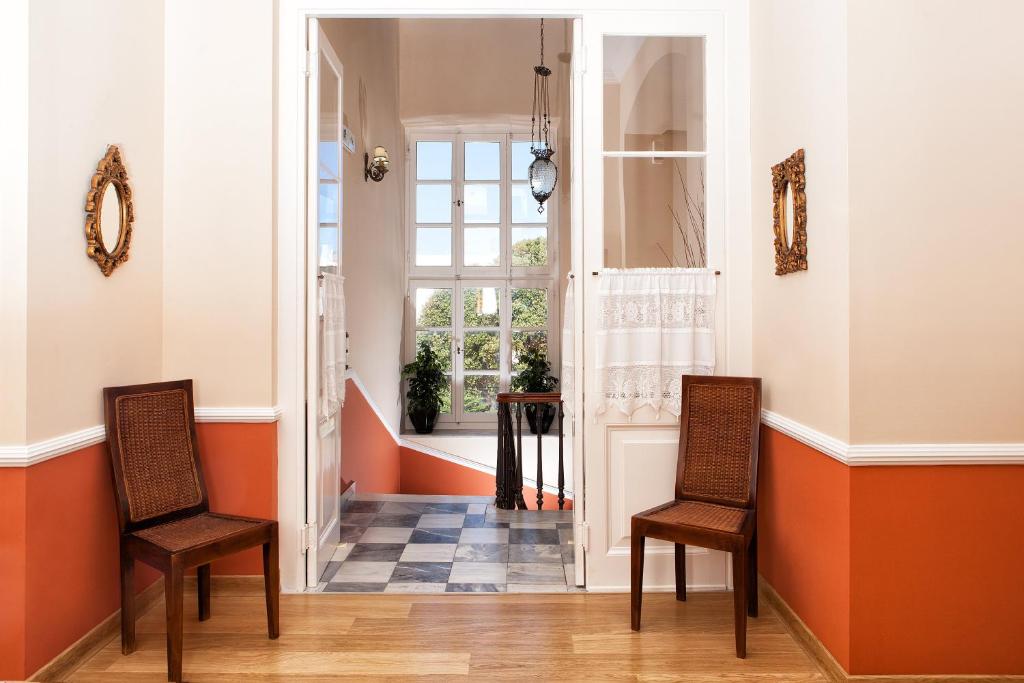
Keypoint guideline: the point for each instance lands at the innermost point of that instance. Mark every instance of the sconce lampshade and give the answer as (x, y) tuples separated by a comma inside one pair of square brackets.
[(543, 175), (378, 165)]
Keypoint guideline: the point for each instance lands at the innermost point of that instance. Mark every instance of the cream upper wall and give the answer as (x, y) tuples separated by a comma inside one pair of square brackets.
[(799, 99), (14, 55), (95, 78), (936, 241), (219, 226), (373, 246)]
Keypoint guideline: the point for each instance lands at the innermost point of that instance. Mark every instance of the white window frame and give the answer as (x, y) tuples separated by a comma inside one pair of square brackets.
[(458, 276)]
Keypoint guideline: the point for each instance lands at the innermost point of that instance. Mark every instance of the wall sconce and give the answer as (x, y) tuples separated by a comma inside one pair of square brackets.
[(377, 166)]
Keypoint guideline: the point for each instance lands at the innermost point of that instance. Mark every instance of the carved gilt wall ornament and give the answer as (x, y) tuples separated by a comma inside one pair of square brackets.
[(109, 213), (789, 214)]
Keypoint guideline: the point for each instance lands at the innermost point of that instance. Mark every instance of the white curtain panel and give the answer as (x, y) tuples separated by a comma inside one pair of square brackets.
[(332, 348), (568, 379), (654, 326)]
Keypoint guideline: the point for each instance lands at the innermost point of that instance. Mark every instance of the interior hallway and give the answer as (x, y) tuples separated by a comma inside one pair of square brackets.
[(570, 637)]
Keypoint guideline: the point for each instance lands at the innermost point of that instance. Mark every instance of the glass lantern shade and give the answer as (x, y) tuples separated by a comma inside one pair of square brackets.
[(543, 175)]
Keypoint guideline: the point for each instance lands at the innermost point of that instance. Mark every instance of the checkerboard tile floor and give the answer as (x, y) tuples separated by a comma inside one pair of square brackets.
[(438, 544)]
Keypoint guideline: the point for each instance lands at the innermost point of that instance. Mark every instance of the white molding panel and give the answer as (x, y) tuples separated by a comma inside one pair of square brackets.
[(41, 451), (861, 455)]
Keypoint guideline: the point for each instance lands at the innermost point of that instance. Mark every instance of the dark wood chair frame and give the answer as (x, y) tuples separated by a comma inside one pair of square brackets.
[(742, 545), (174, 564)]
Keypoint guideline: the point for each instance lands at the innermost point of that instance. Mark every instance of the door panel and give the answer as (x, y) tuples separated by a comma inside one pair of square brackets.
[(323, 258), (652, 139)]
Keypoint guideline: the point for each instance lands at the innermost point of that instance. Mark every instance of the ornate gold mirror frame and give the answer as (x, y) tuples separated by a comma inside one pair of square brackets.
[(790, 257), (110, 171)]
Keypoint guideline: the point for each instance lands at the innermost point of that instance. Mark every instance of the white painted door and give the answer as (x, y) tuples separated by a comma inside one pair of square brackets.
[(653, 196), (323, 254)]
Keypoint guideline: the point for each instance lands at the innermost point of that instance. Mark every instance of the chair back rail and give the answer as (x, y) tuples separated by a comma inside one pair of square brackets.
[(154, 452), (719, 430), (509, 466)]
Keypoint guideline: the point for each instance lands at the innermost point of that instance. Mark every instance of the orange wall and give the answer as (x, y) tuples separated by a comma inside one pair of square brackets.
[(12, 573), (69, 538), (938, 570), (803, 525), (426, 475), (369, 454), (897, 570)]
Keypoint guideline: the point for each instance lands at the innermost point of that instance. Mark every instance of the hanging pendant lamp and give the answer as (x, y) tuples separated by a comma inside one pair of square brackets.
[(543, 173)]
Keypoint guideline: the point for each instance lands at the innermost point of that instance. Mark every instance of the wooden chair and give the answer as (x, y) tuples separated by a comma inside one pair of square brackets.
[(716, 491), (164, 512)]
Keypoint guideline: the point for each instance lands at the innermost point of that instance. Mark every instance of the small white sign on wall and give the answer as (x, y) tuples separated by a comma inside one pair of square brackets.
[(348, 140)]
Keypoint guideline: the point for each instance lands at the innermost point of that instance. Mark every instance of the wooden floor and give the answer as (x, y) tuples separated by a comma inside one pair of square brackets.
[(453, 637)]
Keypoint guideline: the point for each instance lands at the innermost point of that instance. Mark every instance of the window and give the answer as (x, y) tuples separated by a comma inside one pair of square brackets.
[(654, 152), (482, 264)]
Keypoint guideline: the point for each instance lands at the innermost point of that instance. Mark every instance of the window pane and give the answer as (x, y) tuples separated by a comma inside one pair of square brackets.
[(480, 307), (329, 199), (433, 161), (653, 93), (521, 160), (524, 206), (440, 343), (328, 251), (433, 307), (433, 203), (654, 213), (433, 246), (524, 340), (329, 160), (481, 351), (529, 246), (483, 161), (482, 246), (446, 397), (481, 394), (529, 307), (483, 203)]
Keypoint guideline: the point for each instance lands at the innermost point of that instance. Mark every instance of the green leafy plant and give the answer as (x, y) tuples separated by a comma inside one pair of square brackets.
[(427, 381), (535, 373)]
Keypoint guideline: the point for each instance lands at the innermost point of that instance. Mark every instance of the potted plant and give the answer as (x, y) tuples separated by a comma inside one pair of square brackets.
[(535, 377), (426, 381)]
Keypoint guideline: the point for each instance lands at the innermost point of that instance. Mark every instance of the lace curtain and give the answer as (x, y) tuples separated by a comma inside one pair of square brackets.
[(568, 349), (332, 346), (654, 325)]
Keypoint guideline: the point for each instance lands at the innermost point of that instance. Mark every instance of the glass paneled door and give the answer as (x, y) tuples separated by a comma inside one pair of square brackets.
[(653, 197), (323, 259)]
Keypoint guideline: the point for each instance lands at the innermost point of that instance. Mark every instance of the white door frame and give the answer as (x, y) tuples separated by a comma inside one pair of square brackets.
[(293, 276), (290, 218)]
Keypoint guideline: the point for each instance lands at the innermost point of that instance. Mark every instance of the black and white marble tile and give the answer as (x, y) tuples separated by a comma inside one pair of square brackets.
[(406, 544), (421, 572)]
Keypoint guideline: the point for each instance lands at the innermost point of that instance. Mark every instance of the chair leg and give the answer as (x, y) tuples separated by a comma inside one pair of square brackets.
[(636, 583), (272, 585), (203, 588), (740, 584), (752, 578), (127, 602), (680, 572), (174, 596)]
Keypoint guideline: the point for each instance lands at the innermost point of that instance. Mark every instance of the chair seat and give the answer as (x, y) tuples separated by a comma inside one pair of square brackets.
[(703, 515), (194, 531)]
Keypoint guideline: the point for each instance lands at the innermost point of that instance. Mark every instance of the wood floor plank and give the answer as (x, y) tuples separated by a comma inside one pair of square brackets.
[(569, 637)]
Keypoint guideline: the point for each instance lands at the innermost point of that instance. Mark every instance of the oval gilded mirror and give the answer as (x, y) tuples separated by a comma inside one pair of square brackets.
[(789, 214), (109, 213)]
